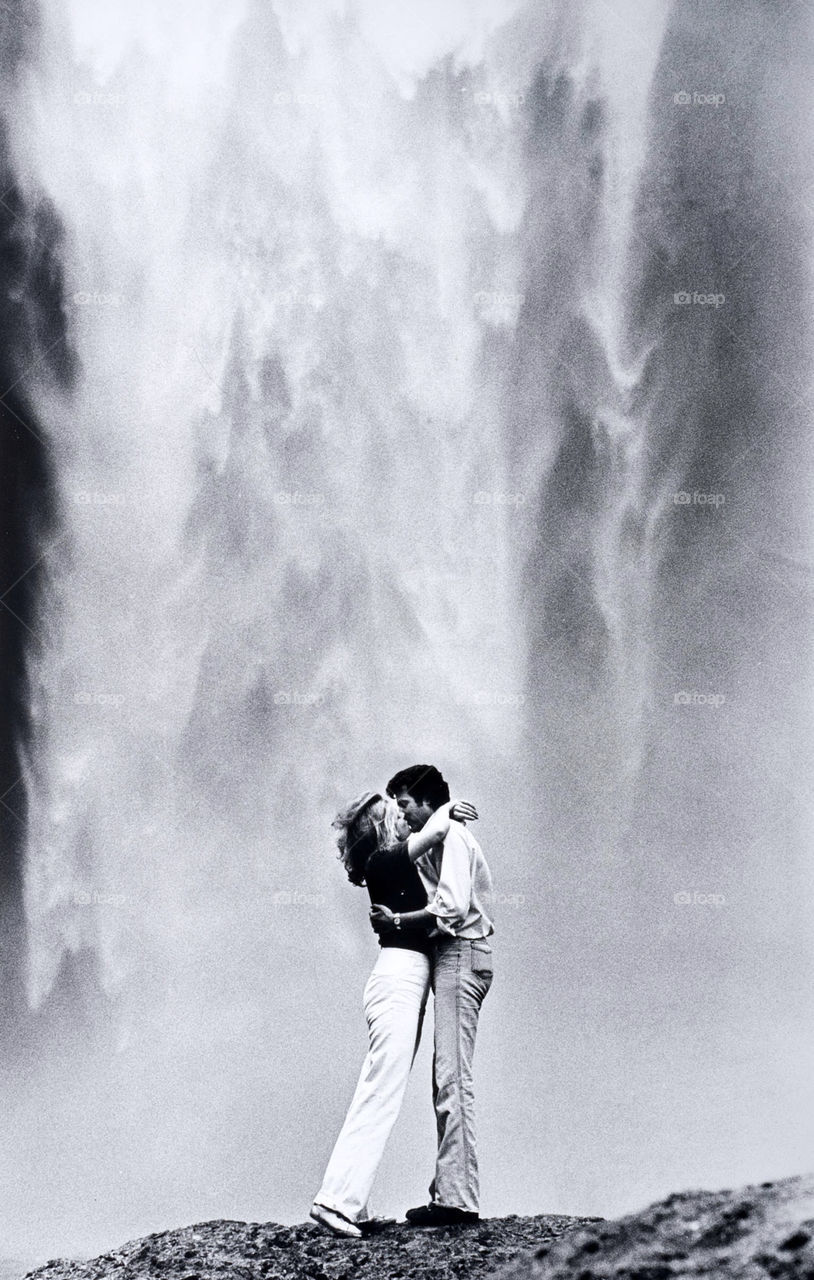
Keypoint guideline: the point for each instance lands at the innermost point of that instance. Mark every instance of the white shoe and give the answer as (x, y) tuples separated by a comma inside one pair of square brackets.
[(334, 1221)]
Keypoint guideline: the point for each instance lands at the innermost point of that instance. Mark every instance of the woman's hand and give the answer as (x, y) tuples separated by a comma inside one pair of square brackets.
[(463, 811), (436, 828), (382, 919)]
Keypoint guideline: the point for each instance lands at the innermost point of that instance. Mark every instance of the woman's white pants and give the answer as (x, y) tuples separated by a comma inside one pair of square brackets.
[(395, 998)]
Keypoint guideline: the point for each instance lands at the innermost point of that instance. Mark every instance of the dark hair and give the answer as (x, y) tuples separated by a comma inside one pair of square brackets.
[(424, 782)]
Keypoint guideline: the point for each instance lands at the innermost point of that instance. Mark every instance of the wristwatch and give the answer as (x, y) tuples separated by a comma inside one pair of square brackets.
[(397, 921)]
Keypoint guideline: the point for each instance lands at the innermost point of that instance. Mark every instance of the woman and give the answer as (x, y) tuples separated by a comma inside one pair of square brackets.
[(374, 852)]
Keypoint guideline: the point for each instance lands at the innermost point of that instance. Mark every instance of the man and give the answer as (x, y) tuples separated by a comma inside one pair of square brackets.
[(459, 885)]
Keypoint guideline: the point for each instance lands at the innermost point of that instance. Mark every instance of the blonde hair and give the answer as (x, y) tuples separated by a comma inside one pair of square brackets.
[(364, 830)]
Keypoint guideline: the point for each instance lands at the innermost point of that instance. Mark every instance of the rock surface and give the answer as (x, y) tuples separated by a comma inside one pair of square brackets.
[(756, 1233), (254, 1251)]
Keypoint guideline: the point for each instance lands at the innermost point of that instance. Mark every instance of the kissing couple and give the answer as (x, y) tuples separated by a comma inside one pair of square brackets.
[(429, 886)]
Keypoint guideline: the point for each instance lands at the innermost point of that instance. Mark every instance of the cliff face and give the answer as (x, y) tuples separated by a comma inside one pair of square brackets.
[(751, 1234)]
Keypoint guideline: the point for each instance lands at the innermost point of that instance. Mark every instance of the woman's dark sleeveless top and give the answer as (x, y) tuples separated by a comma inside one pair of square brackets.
[(392, 881)]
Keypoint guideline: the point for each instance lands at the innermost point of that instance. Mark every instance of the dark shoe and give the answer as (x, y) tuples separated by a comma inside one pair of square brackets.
[(373, 1226), (440, 1215), (411, 1213)]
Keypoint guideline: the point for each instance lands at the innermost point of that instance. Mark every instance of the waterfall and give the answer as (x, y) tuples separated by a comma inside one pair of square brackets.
[(373, 411)]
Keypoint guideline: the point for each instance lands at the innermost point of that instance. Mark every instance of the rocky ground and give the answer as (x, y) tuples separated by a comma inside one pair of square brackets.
[(266, 1251), (756, 1233)]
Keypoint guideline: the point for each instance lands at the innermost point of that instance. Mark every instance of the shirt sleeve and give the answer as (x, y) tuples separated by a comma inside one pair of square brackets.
[(453, 896)]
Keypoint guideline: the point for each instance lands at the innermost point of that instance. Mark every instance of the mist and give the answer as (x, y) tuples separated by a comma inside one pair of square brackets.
[(395, 385)]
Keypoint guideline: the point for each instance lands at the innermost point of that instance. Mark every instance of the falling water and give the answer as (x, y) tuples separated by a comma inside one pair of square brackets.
[(379, 402)]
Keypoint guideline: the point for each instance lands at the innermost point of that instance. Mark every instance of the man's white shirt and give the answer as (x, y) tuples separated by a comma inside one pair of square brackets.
[(458, 884)]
